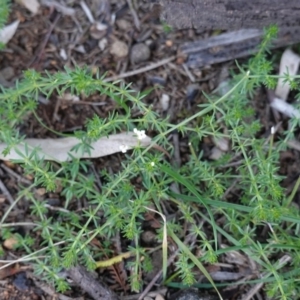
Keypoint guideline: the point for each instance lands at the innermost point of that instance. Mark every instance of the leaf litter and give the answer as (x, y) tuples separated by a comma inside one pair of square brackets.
[(69, 117), (32, 5), (59, 149), (7, 32)]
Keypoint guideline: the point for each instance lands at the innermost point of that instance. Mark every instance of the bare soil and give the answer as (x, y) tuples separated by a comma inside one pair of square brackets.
[(51, 41)]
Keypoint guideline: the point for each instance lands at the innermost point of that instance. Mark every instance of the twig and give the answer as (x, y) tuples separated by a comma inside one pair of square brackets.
[(6, 193), (177, 158), (93, 287), (282, 261), (98, 182), (38, 57), (16, 175), (253, 291), (188, 73), (141, 70), (134, 15), (55, 111), (86, 103), (233, 185), (232, 45), (67, 11), (13, 224), (155, 278), (87, 11), (47, 288)]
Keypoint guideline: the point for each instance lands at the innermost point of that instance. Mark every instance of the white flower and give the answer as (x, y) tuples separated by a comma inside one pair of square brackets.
[(140, 133), (124, 148), (273, 130), (152, 163)]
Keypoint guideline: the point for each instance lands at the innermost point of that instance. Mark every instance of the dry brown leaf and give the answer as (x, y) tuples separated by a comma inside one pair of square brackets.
[(32, 5), (10, 243), (9, 164), (9, 270), (58, 149), (285, 108), (7, 32), (41, 191), (289, 63)]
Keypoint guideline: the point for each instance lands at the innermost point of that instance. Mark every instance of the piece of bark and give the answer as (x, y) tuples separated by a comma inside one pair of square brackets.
[(233, 45), (88, 283), (229, 14)]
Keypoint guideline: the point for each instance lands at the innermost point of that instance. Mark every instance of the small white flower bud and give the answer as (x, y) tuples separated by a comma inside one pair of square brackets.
[(124, 148), (272, 130)]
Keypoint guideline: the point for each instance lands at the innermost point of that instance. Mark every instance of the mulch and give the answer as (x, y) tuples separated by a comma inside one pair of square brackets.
[(52, 40)]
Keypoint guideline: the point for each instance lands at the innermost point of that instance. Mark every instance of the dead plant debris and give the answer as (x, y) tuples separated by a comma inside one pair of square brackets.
[(125, 40)]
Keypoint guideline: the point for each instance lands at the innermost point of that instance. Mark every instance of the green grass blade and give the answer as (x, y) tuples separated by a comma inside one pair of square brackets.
[(178, 178)]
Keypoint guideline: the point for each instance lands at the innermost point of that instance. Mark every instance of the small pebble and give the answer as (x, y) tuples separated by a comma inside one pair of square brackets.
[(139, 53), (223, 88), (8, 73), (10, 243), (80, 49), (123, 24), (119, 49), (169, 43), (63, 54), (52, 201), (222, 143), (98, 30), (41, 191), (164, 101), (192, 91), (157, 80), (102, 43), (148, 237), (216, 153), (21, 282)]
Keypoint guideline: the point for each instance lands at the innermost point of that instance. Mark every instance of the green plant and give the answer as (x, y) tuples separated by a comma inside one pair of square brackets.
[(4, 11), (166, 28), (144, 178)]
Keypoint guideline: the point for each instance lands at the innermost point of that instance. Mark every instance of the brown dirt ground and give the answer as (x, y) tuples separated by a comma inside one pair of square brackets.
[(38, 44)]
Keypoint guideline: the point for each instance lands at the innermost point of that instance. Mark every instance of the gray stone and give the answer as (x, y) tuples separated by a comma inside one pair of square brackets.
[(8, 73), (139, 52), (192, 294)]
